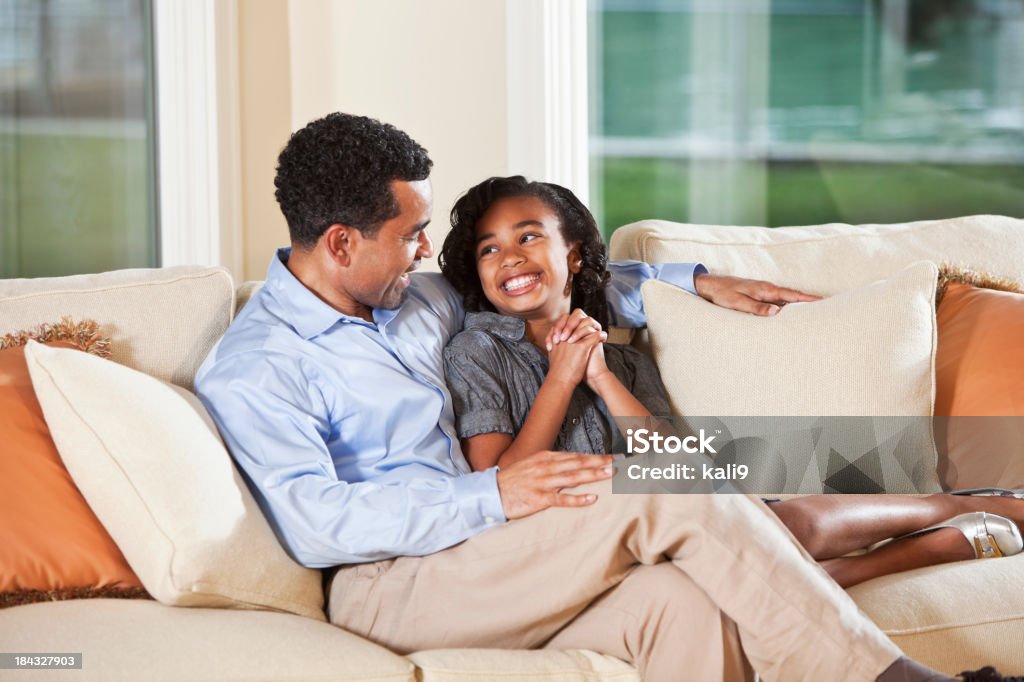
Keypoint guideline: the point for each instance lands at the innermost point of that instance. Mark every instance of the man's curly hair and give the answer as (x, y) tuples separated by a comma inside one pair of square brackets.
[(458, 254), (338, 169)]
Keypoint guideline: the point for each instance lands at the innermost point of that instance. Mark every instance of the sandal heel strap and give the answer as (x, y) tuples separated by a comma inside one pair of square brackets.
[(986, 547)]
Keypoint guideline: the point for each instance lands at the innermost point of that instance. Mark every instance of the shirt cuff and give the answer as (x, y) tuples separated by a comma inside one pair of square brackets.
[(682, 274), (479, 500)]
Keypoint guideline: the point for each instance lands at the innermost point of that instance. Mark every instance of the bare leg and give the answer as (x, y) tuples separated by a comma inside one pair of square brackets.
[(930, 549), (829, 526)]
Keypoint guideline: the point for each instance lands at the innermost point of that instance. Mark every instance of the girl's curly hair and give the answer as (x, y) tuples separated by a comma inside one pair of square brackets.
[(458, 254)]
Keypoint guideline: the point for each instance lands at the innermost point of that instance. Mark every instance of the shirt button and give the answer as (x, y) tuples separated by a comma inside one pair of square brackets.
[(575, 420), (489, 520)]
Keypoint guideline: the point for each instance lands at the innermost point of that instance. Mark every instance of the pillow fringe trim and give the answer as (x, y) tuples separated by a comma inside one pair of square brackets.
[(84, 335), (956, 274), (22, 597)]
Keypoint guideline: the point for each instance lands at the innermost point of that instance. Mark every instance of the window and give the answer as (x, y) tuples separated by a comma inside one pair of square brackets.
[(76, 137), (805, 111)]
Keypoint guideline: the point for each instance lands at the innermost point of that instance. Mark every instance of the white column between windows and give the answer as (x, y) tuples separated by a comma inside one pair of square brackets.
[(198, 141), (547, 77)]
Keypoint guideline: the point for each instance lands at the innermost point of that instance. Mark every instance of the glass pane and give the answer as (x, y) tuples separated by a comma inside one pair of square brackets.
[(76, 137), (791, 112)]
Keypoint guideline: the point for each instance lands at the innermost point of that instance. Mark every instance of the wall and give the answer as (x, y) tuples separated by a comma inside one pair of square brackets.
[(435, 69), (265, 112)]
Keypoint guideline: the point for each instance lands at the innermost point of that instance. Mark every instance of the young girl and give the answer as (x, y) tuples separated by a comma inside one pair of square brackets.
[(527, 255)]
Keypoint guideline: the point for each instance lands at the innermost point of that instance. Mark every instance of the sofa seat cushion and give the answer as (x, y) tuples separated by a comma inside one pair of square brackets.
[(953, 617), (162, 321), (827, 259), (144, 640), (499, 665)]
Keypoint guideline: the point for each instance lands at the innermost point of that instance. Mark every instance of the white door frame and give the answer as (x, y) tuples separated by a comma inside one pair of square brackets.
[(198, 137)]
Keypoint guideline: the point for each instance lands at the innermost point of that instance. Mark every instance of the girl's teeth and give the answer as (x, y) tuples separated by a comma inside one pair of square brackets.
[(520, 282)]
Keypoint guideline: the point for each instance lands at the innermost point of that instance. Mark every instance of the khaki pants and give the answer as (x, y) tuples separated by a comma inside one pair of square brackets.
[(605, 578)]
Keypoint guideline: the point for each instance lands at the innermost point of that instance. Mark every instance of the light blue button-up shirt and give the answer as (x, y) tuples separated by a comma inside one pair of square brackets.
[(344, 429)]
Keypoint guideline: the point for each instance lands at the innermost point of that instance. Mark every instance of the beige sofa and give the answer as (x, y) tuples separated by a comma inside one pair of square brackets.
[(164, 321)]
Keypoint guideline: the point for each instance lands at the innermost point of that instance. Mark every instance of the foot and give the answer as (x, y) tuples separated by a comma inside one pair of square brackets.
[(905, 670), (939, 547), (987, 674), (936, 547), (1009, 507), (991, 535)]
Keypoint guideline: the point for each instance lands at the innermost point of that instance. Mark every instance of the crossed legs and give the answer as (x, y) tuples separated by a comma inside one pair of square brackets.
[(653, 605), (830, 526), (518, 586)]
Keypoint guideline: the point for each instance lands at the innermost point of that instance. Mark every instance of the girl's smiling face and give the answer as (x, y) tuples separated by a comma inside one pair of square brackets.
[(522, 259)]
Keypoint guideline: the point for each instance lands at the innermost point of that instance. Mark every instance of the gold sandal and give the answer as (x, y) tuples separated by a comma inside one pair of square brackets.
[(991, 536)]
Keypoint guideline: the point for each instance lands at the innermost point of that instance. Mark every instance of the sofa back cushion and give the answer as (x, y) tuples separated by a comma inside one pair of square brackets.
[(162, 321), (827, 259)]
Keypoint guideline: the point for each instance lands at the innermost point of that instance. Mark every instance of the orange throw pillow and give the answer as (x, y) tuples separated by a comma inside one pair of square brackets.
[(979, 377), (52, 546)]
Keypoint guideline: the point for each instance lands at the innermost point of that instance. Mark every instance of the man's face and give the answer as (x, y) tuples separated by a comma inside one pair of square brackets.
[(379, 270)]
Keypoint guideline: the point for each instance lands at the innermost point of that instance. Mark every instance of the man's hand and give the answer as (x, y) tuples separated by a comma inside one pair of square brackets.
[(536, 482), (747, 295)]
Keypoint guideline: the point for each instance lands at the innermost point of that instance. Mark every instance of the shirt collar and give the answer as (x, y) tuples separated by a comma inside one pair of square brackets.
[(506, 326), (301, 307)]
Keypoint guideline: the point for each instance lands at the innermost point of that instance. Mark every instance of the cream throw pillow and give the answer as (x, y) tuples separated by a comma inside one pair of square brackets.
[(865, 352), (150, 463), (868, 351)]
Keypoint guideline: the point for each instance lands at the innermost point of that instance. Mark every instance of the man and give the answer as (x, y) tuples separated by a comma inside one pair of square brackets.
[(330, 394)]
